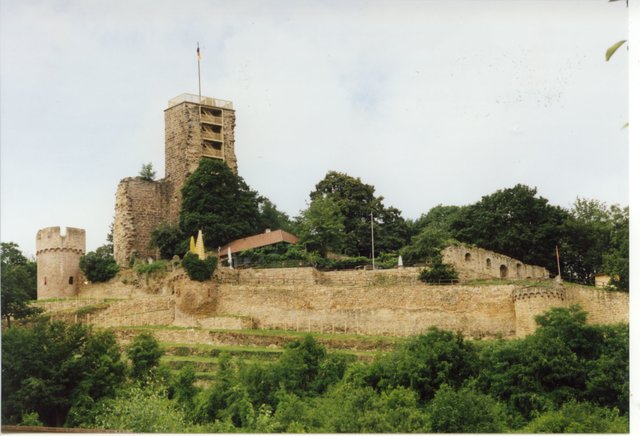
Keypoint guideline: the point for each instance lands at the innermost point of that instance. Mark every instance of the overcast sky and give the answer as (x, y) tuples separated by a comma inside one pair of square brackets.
[(431, 102)]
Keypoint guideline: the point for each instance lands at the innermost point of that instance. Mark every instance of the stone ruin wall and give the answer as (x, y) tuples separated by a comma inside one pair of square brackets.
[(143, 205), (473, 263), (140, 208), (58, 261), (384, 302)]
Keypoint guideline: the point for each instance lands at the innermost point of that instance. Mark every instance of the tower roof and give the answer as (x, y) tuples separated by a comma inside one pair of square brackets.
[(206, 101)]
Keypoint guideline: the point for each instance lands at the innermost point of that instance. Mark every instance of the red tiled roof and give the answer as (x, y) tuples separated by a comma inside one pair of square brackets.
[(260, 240)]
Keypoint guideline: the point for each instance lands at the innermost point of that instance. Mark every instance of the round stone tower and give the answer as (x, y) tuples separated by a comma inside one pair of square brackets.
[(534, 300), (58, 260)]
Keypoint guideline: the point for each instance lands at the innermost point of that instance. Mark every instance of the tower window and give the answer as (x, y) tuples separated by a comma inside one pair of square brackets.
[(71, 280), (467, 257), (45, 281)]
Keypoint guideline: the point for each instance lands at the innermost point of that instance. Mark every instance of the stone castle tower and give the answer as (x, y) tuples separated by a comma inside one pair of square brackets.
[(195, 128), (58, 260)]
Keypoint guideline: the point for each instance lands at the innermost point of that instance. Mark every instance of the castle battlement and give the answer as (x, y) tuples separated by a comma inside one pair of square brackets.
[(52, 239), (58, 259)]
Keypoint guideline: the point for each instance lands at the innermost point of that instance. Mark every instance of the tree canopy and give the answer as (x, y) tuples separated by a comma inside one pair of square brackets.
[(356, 202), (18, 283), (220, 203), (515, 222)]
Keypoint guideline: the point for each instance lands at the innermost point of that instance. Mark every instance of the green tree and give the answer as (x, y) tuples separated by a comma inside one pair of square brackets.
[(515, 222), (439, 217), (321, 227), (427, 245), (184, 390), (426, 362), (145, 353), (199, 270), (139, 409), (596, 240), (99, 265), (616, 260), (220, 203), (169, 239), (18, 283), (438, 272), (147, 173), (271, 217), (357, 201), (575, 417), (466, 411), (607, 381), (49, 367)]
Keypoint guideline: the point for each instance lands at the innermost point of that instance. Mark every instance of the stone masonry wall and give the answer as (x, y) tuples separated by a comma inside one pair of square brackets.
[(136, 312), (183, 148), (140, 207), (58, 261), (397, 310), (532, 301), (603, 307), (473, 262)]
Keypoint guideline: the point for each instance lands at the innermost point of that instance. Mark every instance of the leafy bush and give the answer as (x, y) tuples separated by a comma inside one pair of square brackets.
[(426, 362), (150, 269), (145, 353), (438, 273), (574, 417), (466, 411), (170, 240), (99, 265), (200, 270), (51, 366)]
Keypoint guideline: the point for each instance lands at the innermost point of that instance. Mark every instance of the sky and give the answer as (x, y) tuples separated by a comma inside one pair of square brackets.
[(432, 102)]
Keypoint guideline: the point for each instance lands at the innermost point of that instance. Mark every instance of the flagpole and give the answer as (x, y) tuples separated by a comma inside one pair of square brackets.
[(199, 89)]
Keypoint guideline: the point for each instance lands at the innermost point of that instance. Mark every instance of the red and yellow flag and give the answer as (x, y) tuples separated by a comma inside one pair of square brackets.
[(198, 52)]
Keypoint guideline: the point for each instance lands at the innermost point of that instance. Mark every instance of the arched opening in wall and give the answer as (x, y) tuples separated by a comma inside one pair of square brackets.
[(467, 257), (45, 281), (504, 271), (488, 263), (518, 269), (71, 280)]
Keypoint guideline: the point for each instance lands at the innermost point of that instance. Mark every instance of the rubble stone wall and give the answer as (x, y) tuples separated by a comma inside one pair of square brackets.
[(140, 208), (473, 262)]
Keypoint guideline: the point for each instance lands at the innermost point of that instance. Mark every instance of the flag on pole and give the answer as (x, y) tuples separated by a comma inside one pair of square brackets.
[(198, 52)]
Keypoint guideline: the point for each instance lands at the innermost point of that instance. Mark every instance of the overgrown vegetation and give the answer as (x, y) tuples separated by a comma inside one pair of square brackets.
[(18, 283), (99, 265), (439, 272), (566, 377), (199, 270), (343, 212)]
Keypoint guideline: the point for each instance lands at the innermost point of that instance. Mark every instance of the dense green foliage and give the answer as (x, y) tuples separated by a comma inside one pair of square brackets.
[(514, 222), (170, 240), (50, 368), (18, 283), (99, 265), (566, 377), (200, 270), (438, 272), (343, 216), (220, 203), (144, 352)]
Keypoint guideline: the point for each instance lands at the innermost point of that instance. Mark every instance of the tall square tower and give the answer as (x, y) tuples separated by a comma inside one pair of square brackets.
[(195, 128)]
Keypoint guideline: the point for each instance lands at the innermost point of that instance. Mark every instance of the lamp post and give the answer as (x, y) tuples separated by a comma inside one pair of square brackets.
[(373, 252)]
